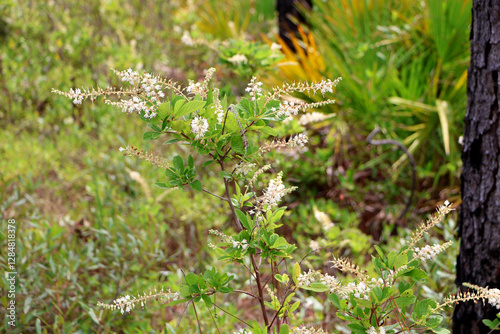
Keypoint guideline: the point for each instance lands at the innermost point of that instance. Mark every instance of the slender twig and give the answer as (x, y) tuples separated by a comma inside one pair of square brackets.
[(232, 315), (197, 319), (413, 165), (222, 198), (246, 293), (213, 316)]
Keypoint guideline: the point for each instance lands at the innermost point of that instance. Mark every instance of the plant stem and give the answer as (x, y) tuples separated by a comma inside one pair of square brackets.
[(252, 258), (222, 198)]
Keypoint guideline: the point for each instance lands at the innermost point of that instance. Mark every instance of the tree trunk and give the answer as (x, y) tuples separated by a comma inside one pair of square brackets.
[(479, 226), (288, 17)]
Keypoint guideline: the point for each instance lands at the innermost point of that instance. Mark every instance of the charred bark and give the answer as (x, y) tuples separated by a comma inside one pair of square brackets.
[(479, 226), (289, 16)]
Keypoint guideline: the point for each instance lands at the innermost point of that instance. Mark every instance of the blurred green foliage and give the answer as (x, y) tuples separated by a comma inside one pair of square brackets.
[(90, 229)]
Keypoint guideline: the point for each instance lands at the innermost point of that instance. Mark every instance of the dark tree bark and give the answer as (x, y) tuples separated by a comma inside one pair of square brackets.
[(479, 226), (288, 16)]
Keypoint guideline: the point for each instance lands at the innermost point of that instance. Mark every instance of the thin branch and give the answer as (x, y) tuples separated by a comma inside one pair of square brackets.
[(222, 198), (413, 165), (232, 315), (246, 293), (197, 319)]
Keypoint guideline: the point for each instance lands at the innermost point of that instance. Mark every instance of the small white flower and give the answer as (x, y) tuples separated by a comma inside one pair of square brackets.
[(299, 140), (238, 59), (199, 126), (313, 117), (121, 149), (254, 88), (430, 252), (186, 38), (275, 47), (244, 168), (494, 297)]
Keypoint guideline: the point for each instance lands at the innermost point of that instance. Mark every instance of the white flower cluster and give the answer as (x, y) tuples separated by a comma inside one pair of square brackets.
[(254, 88), (218, 106), (194, 88), (238, 59), (151, 87), (199, 126), (275, 47), (314, 244), (151, 92), (373, 330), (493, 296), (244, 168), (124, 304), (305, 279), (313, 117), (130, 76), (275, 191), (325, 86), (287, 108), (76, 95), (304, 330), (186, 38), (243, 331), (360, 290), (240, 244), (298, 140), (430, 252), (331, 282), (135, 104), (323, 218)]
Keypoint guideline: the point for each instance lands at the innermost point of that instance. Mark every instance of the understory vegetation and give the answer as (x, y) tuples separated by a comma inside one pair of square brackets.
[(96, 225)]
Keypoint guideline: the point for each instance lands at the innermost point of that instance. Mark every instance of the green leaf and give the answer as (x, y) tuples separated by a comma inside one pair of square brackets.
[(434, 321), (93, 316), (178, 163), (226, 289), (207, 300), (148, 136), (190, 161), (284, 328), (334, 299), (316, 287), (171, 141), (295, 272), (279, 243), (379, 251), (196, 185), (243, 219), (226, 175), (206, 163), (185, 291), (405, 301), (391, 257), (357, 328), (237, 144), (178, 103), (189, 108), (417, 275), (423, 308), (401, 260), (171, 174), (440, 330), (378, 293), (268, 131), (191, 278), (195, 288)]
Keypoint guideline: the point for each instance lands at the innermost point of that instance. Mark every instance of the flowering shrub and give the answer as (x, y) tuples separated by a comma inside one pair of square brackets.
[(229, 135)]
